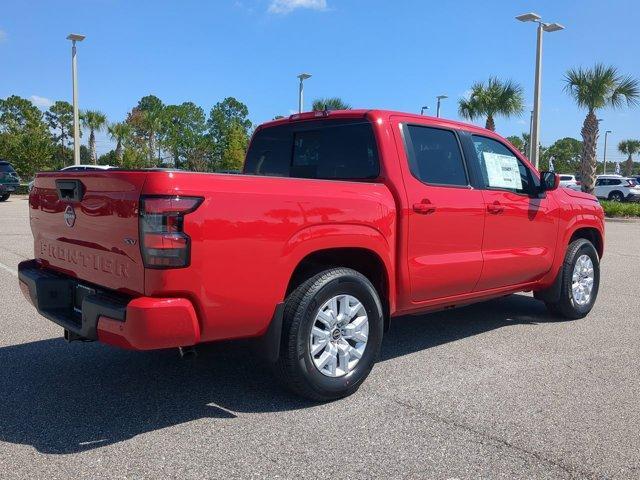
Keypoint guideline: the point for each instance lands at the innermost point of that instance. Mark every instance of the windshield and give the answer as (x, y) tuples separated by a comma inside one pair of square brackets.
[(632, 182), (7, 168)]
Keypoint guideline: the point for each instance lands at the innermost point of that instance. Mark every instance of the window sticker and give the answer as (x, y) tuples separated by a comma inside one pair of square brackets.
[(502, 171)]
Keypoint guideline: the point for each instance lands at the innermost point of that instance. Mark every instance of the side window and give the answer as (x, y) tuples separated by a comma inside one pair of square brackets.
[(599, 182), (500, 168), (434, 156), (615, 182)]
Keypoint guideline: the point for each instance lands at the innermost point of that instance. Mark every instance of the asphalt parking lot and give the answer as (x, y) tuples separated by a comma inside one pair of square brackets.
[(495, 390)]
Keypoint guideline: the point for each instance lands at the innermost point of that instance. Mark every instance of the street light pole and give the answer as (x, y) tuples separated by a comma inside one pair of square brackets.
[(302, 77), (535, 130), (536, 101), (439, 97), (74, 78), (604, 166), (529, 149)]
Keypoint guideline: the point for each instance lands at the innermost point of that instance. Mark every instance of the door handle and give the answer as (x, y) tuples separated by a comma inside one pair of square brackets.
[(495, 208), (425, 207)]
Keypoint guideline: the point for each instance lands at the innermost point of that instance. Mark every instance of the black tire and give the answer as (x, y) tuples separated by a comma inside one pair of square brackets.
[(295, 367), (5, 197), (616, 196), (567, 307)]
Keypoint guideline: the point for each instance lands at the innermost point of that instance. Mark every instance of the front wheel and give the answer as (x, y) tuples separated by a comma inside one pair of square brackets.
[(580, 281), (332, 332), (5, 197)]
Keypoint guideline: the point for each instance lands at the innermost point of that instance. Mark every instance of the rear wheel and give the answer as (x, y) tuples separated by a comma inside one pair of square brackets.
[(616, 196), (580, 281), (332, 332), (5, 197)]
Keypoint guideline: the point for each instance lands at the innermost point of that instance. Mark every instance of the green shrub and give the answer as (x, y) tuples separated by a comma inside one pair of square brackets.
[(621, 209)]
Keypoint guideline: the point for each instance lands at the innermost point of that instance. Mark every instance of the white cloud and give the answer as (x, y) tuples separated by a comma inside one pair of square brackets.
[(41, 102), (3, 35), (288, 6)]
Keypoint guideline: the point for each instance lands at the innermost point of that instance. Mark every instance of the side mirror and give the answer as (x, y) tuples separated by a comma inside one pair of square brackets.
[(549, 181)]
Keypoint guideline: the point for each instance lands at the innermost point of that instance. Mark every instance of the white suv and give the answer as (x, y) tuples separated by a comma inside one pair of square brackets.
[(617, 188), (569, 181)]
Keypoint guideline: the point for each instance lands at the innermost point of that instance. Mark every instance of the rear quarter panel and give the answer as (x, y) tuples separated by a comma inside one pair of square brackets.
[(250, 233)]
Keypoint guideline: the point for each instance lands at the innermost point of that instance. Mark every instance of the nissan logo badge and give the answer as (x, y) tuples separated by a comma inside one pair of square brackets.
[(69, 216)]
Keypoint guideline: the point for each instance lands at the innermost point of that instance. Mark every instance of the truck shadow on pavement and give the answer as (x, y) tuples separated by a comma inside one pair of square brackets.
[(67, 398)]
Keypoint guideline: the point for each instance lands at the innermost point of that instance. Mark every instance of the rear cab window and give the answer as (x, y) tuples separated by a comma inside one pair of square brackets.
[(340, 149)]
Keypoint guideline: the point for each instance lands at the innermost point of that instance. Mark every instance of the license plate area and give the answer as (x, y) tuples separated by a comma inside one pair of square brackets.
[(79, 292)]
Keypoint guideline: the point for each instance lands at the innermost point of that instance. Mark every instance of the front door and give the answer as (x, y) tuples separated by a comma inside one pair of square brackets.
[(446, 214), (520, 230)]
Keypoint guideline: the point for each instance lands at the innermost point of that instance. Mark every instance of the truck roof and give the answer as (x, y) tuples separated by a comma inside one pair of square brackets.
[(374, 114)]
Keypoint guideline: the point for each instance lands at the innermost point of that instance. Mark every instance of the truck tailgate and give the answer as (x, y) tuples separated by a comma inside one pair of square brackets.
[(85, 224)]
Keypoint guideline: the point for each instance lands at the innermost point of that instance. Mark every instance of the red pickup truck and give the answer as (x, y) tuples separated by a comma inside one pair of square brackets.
[(341, 221)]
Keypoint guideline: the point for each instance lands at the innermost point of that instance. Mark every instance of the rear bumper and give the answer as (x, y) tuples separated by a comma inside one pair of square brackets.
[(142, 323)]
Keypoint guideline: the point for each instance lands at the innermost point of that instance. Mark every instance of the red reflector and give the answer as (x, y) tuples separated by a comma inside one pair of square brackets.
[(165, 240)]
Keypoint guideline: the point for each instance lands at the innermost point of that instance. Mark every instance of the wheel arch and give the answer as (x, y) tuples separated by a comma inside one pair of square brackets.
[(361, 247), (589, 233), (362, 259)]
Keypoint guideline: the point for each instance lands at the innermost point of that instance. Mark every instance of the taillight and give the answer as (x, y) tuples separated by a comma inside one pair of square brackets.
[(163, 242)]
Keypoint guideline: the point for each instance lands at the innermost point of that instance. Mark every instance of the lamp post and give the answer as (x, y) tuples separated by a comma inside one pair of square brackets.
[(302, 77), (422, 109), (604, 165), (439, 98), (74, 37), (547, 27), (529, 148)]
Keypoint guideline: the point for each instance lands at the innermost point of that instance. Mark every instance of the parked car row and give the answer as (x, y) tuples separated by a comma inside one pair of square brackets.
[(616, 188)]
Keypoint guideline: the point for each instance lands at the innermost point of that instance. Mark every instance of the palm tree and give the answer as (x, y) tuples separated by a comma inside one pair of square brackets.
[(596, 88), (494, 98), (119, 132), (333, 103), (152, 121), (94, 121), (629, 147)]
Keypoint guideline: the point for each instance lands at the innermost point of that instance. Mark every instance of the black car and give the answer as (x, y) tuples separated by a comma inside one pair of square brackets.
[(9, 180)]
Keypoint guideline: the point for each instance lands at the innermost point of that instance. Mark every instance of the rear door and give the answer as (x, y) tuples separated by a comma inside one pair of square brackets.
[(446, 216), (520, 228), (85, 224)]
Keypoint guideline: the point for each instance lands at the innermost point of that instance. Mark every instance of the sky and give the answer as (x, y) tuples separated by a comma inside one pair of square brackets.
[(372, 53)]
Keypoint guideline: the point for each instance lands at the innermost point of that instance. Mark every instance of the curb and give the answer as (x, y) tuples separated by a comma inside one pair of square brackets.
[(622, 219)]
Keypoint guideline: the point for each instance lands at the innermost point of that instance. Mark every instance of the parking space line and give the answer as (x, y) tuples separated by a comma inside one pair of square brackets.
[(9, 269)]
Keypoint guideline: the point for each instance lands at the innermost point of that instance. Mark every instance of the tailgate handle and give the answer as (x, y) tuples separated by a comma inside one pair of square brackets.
[(71, 190)]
